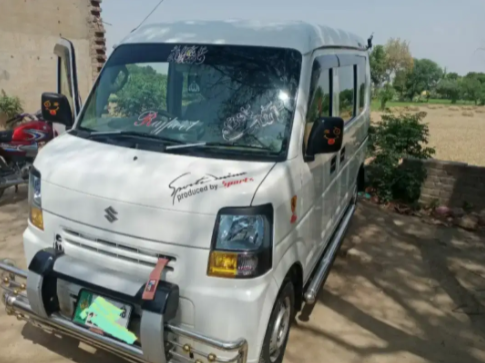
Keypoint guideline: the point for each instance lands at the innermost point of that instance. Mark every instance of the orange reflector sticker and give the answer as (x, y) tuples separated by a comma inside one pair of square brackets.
[(293, 209)]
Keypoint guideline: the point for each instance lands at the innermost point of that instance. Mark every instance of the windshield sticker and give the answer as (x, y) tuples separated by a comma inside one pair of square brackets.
[(193, 82), (187, 185), (179, 125), (246, 121), (147, 119), (188, 54)]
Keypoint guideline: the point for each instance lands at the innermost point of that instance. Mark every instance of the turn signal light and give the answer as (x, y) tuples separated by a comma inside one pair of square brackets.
[(232, 264), (36, 217)]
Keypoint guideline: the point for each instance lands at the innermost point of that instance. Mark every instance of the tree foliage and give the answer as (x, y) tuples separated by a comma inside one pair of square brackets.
[(378, 65), (146, 90), (386, 94), (413, 79), (398, 56), (424, 76)]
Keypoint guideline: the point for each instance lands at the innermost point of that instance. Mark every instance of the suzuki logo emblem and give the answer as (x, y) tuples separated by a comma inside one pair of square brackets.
[(111, 214)]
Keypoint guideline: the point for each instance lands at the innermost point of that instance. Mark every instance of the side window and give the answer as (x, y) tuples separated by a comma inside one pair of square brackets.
[(361, 84), (65, 81), (346, 78), (320, 100)]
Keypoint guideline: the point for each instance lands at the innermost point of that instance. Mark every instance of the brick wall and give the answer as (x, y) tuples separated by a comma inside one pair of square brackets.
[(29, 30), (453, 184)]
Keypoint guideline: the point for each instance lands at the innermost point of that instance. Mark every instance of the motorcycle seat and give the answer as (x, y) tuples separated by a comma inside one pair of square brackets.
[(6, 136)]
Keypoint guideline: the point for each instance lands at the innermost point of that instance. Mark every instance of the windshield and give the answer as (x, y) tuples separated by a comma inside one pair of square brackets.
[(232, 97)]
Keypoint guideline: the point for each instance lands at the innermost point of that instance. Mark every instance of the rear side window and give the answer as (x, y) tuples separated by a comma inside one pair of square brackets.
[(361, 83), (347, 92)]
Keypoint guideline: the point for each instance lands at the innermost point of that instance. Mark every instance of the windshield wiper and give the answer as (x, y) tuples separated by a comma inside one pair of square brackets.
[(217, 144), (137, 135)]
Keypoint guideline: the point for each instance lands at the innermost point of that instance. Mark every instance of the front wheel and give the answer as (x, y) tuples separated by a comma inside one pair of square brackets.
[(278, 330)]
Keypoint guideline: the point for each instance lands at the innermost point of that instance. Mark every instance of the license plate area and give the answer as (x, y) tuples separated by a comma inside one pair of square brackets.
[(85, 300)]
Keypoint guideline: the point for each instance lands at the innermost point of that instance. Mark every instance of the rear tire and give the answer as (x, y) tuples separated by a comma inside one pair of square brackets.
[(278, 330)]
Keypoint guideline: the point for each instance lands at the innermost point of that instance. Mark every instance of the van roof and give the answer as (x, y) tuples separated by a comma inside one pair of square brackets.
[(302, 36)]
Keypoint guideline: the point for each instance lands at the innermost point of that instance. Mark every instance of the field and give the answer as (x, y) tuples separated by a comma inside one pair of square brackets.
[(457, 132)]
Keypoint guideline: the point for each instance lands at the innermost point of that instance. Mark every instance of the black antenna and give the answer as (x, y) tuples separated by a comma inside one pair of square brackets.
[(369, 41), (151, 12)]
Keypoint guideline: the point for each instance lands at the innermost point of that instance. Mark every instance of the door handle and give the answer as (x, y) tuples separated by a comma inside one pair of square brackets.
[(342, 156), (333, 164)]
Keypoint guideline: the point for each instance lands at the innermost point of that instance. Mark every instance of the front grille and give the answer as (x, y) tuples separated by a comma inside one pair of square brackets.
[(116, 250)]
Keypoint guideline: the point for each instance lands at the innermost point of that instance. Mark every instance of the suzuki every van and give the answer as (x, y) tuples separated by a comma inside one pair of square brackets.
[(198, 198)]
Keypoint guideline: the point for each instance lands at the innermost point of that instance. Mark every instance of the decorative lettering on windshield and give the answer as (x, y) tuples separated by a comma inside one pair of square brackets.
[(188, 54), (246, 121), (148, 118), (187, 185)]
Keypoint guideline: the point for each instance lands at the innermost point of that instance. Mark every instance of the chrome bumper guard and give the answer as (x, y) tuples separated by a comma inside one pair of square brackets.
[(14, 286)]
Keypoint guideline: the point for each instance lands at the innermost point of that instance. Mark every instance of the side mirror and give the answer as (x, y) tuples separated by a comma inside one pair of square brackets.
[(56, 108), (326, 137)]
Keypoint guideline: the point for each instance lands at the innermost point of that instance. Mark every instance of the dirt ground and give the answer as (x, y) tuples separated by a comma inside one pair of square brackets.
[(456, 132), (401, 291)]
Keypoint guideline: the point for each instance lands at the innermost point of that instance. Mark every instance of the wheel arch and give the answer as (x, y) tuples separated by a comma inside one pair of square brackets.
[(361, 179)]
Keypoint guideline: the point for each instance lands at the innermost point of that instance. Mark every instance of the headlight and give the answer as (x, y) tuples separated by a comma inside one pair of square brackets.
[(239, 232), (35, 199), (242, 245)]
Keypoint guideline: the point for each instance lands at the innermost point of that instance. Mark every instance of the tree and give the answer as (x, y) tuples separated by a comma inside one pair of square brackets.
[(471, 88), (398, 57), (424, 77), (378, 66), (386, 94), (480, 77), (482, 95), (452, 76), (449, 89), (399, 82)]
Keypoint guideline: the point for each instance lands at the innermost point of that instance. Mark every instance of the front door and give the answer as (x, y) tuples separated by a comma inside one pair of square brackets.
[(320, 175), (67, 77)]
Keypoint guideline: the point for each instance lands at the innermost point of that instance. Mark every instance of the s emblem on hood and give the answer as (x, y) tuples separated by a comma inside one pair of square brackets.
[(111, 214)]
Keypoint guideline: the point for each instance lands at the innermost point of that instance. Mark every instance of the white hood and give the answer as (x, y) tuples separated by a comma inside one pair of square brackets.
[(151, 179)]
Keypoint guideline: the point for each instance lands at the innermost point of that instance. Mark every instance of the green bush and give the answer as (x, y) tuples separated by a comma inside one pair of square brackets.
[(9, 106), (398, 137)]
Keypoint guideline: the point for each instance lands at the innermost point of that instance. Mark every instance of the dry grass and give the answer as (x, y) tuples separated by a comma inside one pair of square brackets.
[(456, 136)]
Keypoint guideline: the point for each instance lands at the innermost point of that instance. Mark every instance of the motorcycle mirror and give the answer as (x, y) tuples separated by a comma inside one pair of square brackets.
[(56, 108)]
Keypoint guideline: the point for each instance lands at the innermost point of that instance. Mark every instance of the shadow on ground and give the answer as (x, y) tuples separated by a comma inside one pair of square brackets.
[(404, 291)]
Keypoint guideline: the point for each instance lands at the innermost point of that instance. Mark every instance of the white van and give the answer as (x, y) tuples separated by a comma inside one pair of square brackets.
[(201, 194)]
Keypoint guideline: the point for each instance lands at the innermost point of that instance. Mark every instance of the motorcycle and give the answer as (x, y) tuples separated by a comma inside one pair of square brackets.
[(19, 147)]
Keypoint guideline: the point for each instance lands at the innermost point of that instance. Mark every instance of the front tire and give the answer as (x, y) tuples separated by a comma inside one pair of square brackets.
[(278, 330)]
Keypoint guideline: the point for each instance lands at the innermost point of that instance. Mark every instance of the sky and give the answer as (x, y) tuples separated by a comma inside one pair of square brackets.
[(450, 32)]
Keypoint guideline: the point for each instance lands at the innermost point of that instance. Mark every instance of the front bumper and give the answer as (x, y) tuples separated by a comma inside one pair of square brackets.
[(31, 296)]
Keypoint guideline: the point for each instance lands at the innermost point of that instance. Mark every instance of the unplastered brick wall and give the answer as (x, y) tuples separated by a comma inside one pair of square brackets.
[(97, 35), (29, 29), (453, 184)]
